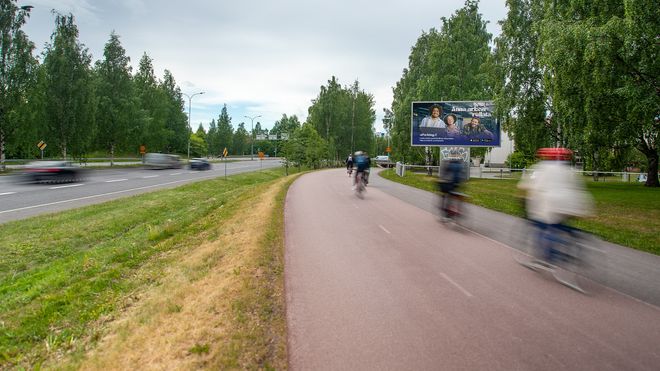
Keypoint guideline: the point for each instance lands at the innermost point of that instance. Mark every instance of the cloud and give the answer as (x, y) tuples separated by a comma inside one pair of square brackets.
[(261, 57)]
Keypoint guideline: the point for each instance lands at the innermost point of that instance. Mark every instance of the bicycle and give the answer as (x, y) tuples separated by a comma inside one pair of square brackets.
[(558, 249), (451, 207), (360, 186)]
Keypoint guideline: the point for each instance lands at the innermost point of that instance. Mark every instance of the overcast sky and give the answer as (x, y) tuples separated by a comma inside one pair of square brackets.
[(260, 57)]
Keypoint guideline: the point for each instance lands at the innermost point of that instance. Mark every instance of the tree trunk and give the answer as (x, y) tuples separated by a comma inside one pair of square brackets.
[(652, 175), (112, 154), (2, 151), (594, 158), (652, 161)]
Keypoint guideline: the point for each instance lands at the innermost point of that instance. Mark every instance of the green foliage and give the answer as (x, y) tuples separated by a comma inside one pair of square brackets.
[(241, 140), (344, 118), (176, 121), (200, 349), (582, 75), (116, 110), (305, 147), (150, 128), (17, 67), (68, 90), (452, 64), (519, 91), (198, 147), (224, 133), (519, 160)]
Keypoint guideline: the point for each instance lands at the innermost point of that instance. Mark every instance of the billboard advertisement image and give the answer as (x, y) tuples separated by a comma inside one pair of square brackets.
[(464, 123)]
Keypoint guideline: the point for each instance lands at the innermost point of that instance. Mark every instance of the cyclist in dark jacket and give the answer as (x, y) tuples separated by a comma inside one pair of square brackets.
[(362, 163), (452, 176)]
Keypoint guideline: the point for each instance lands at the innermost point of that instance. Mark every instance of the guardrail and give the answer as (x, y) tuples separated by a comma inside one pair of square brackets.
[(507, 173)]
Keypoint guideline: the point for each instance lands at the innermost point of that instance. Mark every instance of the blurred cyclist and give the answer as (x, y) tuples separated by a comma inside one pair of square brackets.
[(349, 164), (361, 160), (554, 194), (451, 177), (367, 170)]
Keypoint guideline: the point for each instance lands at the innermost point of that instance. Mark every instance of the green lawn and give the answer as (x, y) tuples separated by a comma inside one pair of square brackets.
[(626, 213), (62, 276)]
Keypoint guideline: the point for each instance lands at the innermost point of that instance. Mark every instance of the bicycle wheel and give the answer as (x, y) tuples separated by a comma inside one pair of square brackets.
[(574, 259), (359, 186), (528, 252)]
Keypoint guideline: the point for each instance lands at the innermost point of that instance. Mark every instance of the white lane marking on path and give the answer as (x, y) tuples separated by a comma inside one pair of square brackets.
[(116, 180), (94, 196), (466, 292), (176, 173), (67, 186), (7, 193), (385, 229), (150, 176)]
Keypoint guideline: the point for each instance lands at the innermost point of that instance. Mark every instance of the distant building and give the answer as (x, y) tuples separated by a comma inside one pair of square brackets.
[(497, 156)]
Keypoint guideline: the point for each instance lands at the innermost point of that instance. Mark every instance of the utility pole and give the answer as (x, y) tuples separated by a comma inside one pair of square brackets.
[(353, 125), (252, 135), (190, 97)]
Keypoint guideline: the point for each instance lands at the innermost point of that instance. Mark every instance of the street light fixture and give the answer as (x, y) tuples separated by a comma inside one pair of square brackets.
[(190, 97), (252, 135)]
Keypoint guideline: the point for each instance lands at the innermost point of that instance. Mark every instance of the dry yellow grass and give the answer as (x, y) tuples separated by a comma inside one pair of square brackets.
[(187, 321)]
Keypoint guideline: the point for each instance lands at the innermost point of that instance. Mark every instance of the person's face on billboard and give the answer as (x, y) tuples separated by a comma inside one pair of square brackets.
[(474, 122), (435, 112), (450, 120)]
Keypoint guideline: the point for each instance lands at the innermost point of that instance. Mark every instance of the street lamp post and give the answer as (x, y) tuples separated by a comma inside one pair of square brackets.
[(190, 97), (252, 135)]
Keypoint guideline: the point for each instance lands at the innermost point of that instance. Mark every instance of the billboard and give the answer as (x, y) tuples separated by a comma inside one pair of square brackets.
[(463, 123)]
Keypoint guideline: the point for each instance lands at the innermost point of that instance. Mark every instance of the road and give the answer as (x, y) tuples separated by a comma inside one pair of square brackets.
[(19, 201), (380, 284)]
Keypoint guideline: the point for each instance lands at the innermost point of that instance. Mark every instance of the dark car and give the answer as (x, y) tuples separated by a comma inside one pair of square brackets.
[(52, 172), (199, 164)]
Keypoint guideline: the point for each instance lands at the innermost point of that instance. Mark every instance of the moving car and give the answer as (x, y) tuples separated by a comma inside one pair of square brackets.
[(383, 161), (52, 172), (199, 164), (162, 161)]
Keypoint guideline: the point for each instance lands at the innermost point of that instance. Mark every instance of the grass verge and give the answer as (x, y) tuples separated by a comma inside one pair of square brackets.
[(189, 278), (626, 213)]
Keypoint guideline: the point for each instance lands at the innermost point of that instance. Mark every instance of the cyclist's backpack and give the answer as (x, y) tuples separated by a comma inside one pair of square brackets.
[(361, 162)]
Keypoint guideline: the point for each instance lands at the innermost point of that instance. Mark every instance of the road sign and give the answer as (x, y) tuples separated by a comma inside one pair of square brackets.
[(225, 152), (388, 149), (41, 145), (261, 155), (143, 150)]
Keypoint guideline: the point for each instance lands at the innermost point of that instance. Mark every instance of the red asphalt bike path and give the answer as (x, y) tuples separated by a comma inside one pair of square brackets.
[(377, 284)]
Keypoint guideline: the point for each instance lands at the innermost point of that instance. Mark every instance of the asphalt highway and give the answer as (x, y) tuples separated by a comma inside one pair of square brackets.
[(379, 284), (19, 201)]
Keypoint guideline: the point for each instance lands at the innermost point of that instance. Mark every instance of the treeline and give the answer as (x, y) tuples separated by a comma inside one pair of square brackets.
[(80, 108), (340, 121), (221, 135), (577, 74), (77, 107)]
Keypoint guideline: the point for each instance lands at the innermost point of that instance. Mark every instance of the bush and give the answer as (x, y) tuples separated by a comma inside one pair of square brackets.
[(519, 160)]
